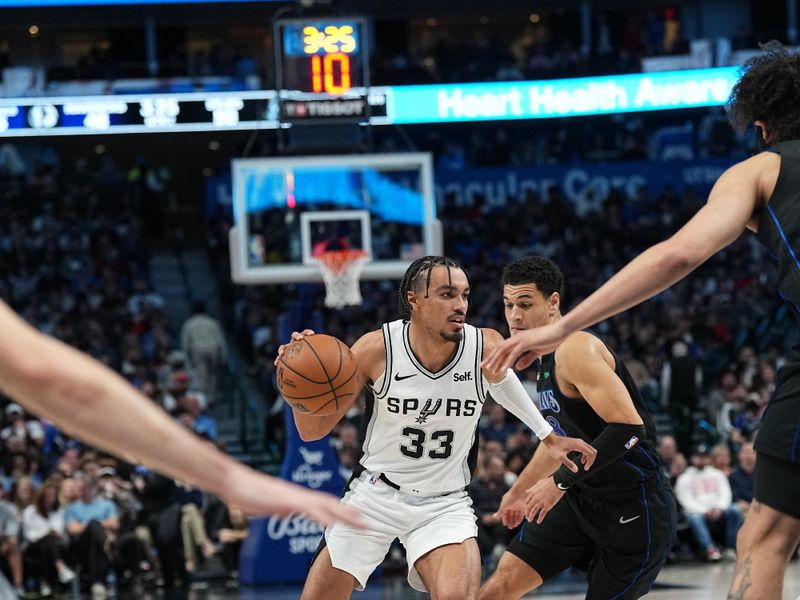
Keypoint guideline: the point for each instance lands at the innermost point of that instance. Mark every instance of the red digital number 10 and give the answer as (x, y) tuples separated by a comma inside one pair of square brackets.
[(324, 73)]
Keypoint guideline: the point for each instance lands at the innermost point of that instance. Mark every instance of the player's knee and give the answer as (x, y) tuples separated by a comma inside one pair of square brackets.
[(495, 588), (316, 591), (456, 593), (743, 542), (449, 595), (456, 590), (489, 590), (776, 542)]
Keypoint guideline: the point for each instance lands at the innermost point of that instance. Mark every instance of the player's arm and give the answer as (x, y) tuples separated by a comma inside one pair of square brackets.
[(507, 390), (731, 207), (512, 507), (369, 353), (585, 368), (86, 399)]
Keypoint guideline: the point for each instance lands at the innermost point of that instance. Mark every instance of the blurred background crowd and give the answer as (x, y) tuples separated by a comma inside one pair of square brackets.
[(105, 245)]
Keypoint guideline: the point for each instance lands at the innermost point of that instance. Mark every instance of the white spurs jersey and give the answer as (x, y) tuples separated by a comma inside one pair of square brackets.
[(421, 427)]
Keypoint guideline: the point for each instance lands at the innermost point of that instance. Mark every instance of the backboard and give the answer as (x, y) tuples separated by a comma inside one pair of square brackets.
[(288, 210)]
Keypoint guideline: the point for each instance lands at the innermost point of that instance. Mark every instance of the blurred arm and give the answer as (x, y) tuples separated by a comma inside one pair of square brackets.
[(86, 399), (731, 207)]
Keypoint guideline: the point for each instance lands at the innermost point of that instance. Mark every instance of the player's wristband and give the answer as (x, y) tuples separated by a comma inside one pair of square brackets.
[(511, 395), (616, 440)]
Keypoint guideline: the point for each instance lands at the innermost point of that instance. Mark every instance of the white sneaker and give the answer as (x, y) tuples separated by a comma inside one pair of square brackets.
[(729, 554), (99, 591), (44, 590), (65, 575)]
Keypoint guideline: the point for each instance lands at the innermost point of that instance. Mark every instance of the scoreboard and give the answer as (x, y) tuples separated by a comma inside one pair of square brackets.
[(322, 68)]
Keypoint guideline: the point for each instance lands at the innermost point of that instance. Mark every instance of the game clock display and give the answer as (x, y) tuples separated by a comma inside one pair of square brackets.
[(322, 69)]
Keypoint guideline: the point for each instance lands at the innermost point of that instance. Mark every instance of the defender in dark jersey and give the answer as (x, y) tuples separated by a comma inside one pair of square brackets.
[(762, 194), (616, 522)]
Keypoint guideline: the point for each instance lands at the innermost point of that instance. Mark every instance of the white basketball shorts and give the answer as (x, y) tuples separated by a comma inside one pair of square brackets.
[(421, 524)]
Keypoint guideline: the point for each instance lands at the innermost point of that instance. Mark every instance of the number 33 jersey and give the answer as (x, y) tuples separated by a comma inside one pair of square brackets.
[(421, 427)]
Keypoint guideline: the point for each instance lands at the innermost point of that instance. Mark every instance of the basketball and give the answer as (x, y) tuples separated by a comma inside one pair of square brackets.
[(317, 374)]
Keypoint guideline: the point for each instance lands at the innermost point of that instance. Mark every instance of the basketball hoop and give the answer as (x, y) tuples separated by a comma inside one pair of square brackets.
[(341, 270)]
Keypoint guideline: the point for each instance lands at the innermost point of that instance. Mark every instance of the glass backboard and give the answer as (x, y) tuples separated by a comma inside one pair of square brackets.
[(289, 210)]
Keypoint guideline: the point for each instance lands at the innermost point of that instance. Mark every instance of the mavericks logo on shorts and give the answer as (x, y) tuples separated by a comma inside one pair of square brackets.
[(631, 442)]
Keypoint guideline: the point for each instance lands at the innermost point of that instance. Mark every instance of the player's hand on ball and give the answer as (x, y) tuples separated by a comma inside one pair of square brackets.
[(558, 447), (296, 335), (512, 509), (541, 498)]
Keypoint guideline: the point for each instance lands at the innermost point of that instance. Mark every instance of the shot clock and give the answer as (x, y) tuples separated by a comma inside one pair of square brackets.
[(322, 69)]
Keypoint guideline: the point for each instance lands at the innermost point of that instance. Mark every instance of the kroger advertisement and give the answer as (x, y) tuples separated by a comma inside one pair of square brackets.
[(294, 538), (586, 185)]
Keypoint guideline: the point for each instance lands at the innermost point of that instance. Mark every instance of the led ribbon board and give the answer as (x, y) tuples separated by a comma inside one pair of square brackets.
[(562, 97), (221, 111), (148, 113)]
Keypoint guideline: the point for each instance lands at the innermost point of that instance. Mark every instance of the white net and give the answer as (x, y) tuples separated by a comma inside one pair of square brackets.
[(340, 271)]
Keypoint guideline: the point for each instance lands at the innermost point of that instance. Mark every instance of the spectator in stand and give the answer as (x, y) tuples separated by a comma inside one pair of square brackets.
[(9, 544), (494, 448), (176, 390), (347, 436), (677, 468), (24, 494), (720, 394), (193, 529), (230, 529), (748, 420), (347, 462), (680, 379), (203, 423), (735, 403), (46, 538), (68, 492), (129, 553), (90, 464), (161, 511), (705, 495), (742, 477), (90, 521), (30, 431), (203, 342), (667, 450), (486, 491), (496, 428), (721, 459)]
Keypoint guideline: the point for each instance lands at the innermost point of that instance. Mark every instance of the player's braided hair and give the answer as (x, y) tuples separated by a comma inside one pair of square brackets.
[(540, 271), (422, 267), (769, 91)]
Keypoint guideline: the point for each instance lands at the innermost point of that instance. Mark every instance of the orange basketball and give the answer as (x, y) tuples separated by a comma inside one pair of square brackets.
[(317, 374)]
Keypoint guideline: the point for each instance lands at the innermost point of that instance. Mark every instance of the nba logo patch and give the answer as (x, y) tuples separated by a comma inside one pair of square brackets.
[(374, 479), (631, 443)]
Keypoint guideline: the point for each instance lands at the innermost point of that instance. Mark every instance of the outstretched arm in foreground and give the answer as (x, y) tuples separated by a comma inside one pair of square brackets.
[(89, 401), (507, 390), (730, 209)]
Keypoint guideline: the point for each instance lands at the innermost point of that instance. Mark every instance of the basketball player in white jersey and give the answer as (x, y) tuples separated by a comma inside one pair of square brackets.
[(425, 395)]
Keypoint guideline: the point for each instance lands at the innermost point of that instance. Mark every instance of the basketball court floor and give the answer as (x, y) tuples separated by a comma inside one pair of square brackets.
[(676, 582)]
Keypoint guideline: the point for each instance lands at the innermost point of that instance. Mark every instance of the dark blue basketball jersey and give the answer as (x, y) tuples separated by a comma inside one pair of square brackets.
[(574, 417), (779, 231)]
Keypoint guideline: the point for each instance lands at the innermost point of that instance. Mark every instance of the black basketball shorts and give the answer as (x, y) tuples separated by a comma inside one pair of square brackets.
[(621, 542)]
